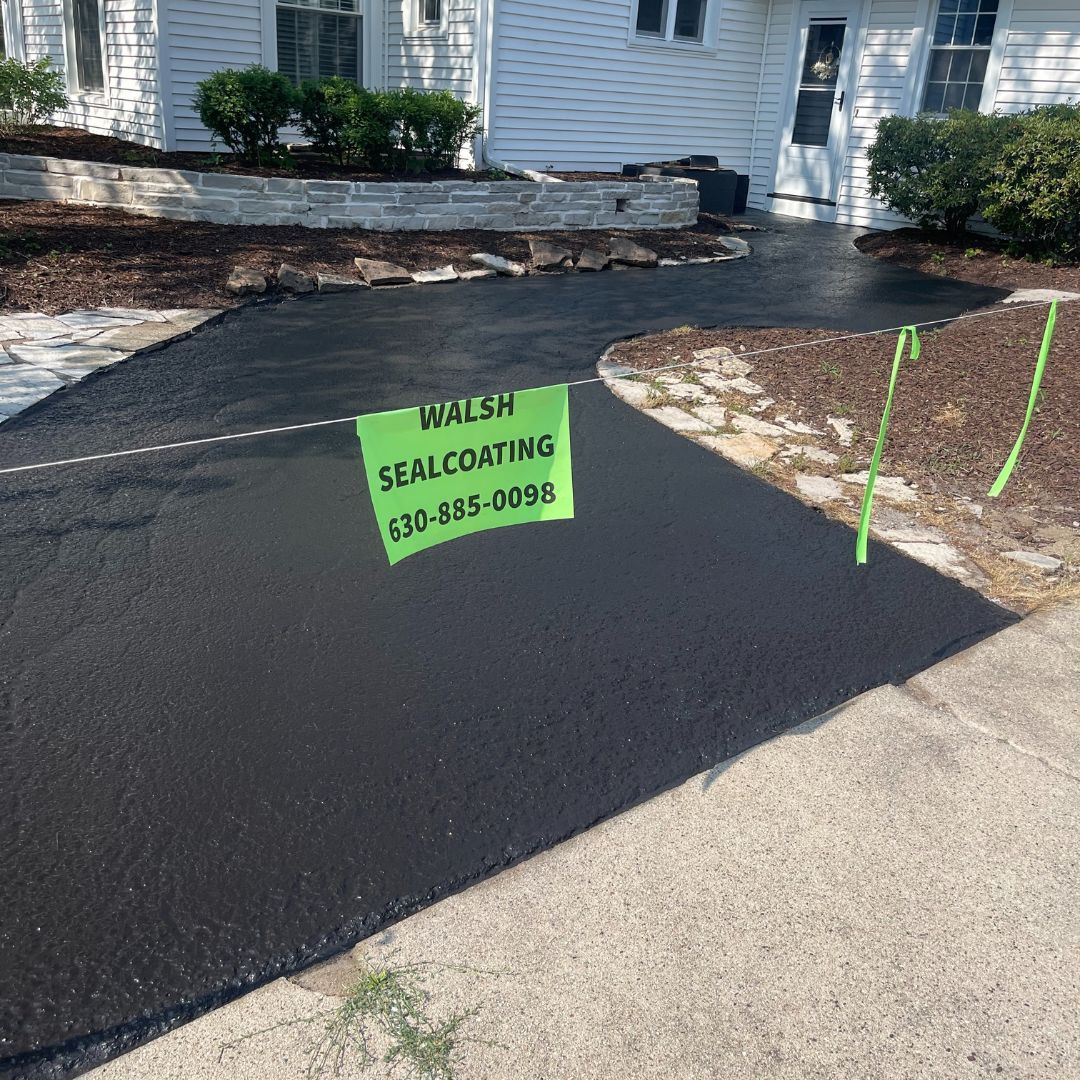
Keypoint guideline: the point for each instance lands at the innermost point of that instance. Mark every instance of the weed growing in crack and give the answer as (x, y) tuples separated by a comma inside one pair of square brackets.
[(846, 464)]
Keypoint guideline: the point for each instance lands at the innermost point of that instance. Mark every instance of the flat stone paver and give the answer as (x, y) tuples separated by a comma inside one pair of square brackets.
[(678, 420), (42, 353), (22, 385), (67, 359), (887, 892)]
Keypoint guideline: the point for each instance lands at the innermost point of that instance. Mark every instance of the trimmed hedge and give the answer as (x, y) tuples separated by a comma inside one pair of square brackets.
[(245, 108), (936, 171), (404, 131), (1034, 197), (1021, 171)]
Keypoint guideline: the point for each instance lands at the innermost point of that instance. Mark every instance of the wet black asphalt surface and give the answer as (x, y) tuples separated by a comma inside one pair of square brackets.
[(235, 740)]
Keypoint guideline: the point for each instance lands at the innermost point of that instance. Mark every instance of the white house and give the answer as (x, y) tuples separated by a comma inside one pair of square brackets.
[(786, 90)]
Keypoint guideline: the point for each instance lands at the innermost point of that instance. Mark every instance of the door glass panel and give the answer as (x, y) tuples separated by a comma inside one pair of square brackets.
[(820, 71), (821, 65)]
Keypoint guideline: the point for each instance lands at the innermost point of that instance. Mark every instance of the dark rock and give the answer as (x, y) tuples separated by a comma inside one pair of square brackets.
[(593, 259), (376, 272), (332, 283), (244, 281), (547, 256), (293, 280), (624, 250)]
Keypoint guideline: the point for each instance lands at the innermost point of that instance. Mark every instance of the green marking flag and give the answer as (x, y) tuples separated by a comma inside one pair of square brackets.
[(442, 471), (875, 461), (1040, 366)]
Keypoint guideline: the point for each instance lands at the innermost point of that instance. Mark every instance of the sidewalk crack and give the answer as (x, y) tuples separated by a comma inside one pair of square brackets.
[(925, 697)]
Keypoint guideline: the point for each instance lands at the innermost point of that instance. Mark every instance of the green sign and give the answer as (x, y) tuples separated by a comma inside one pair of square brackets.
[(443, 471)]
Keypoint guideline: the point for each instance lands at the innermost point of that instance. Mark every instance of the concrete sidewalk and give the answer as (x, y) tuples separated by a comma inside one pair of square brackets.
[(887, 891)]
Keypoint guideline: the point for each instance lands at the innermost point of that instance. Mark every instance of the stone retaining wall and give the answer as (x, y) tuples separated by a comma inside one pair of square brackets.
[(650, 202)]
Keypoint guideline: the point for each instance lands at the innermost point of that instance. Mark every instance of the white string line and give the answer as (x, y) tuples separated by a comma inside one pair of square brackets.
[(579, 382), (825, 341)]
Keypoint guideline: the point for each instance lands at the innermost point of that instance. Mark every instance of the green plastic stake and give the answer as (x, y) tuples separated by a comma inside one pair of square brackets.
[(875, 461), (1040, 366)]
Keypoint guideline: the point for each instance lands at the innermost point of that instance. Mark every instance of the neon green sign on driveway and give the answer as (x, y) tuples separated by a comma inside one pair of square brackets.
[(442, 471)]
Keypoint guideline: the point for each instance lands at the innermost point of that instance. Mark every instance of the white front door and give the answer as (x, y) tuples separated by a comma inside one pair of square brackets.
[(818, 110)]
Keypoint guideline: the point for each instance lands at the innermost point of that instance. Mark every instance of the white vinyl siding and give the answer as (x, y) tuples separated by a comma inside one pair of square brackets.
[(205, 36), (1040, 65), (130, 108), (569, 90), (879, 91), (437, 57), (1041, 62)]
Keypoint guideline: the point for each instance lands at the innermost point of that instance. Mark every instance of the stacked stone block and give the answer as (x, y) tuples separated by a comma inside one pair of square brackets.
[(647, 202)]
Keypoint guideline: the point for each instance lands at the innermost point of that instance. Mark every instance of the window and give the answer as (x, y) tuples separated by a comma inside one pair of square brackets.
[(959, 51), (83, 24), (430, 12), (671, 20), (317, 38)]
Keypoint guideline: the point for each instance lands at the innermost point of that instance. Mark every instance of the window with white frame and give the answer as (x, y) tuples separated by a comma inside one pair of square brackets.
[(671, 20), (959, 53), (430, 13), (84, 26), (317, 38)]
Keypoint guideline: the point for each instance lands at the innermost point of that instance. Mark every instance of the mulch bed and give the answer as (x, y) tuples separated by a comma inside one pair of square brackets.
[(957, 409), (56, 256), (979, 259), (76, 145)]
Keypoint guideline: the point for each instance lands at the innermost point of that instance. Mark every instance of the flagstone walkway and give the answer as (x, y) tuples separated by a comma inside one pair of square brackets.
[(40, 354)]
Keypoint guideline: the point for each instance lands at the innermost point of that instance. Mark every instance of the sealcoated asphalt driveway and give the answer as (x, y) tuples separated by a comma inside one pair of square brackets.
[(235, 740)]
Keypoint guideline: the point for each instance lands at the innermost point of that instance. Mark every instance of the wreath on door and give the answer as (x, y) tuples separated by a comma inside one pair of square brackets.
[(827, 64)]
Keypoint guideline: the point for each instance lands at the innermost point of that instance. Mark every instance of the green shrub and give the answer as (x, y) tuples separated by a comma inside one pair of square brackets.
[(327, 111), (29, 94), (1034, 198), (245, 109), (433, 127), (402, 130), (935, 171)]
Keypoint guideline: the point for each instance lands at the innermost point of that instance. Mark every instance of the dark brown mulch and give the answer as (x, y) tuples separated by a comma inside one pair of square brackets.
[(979, 259), (957, 410), (79, 145), (55, 257), (573, 176)]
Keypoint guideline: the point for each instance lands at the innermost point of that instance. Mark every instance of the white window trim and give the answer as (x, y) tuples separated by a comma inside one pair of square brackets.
[(921, 44), (14, 39), (415, 29), (371, 64), (707, 46), (75, 92)]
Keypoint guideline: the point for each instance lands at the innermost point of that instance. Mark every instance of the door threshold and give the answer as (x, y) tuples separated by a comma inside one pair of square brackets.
[(800, 198)]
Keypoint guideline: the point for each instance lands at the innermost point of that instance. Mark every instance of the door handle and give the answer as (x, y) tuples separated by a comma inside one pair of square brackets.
[(840, 101)]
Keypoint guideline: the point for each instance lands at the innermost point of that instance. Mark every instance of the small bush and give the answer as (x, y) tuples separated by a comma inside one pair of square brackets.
[(934, 171), (1034, 198), (245, 109), (327, 111), (433, 127), (402, 130), (29, 94)]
